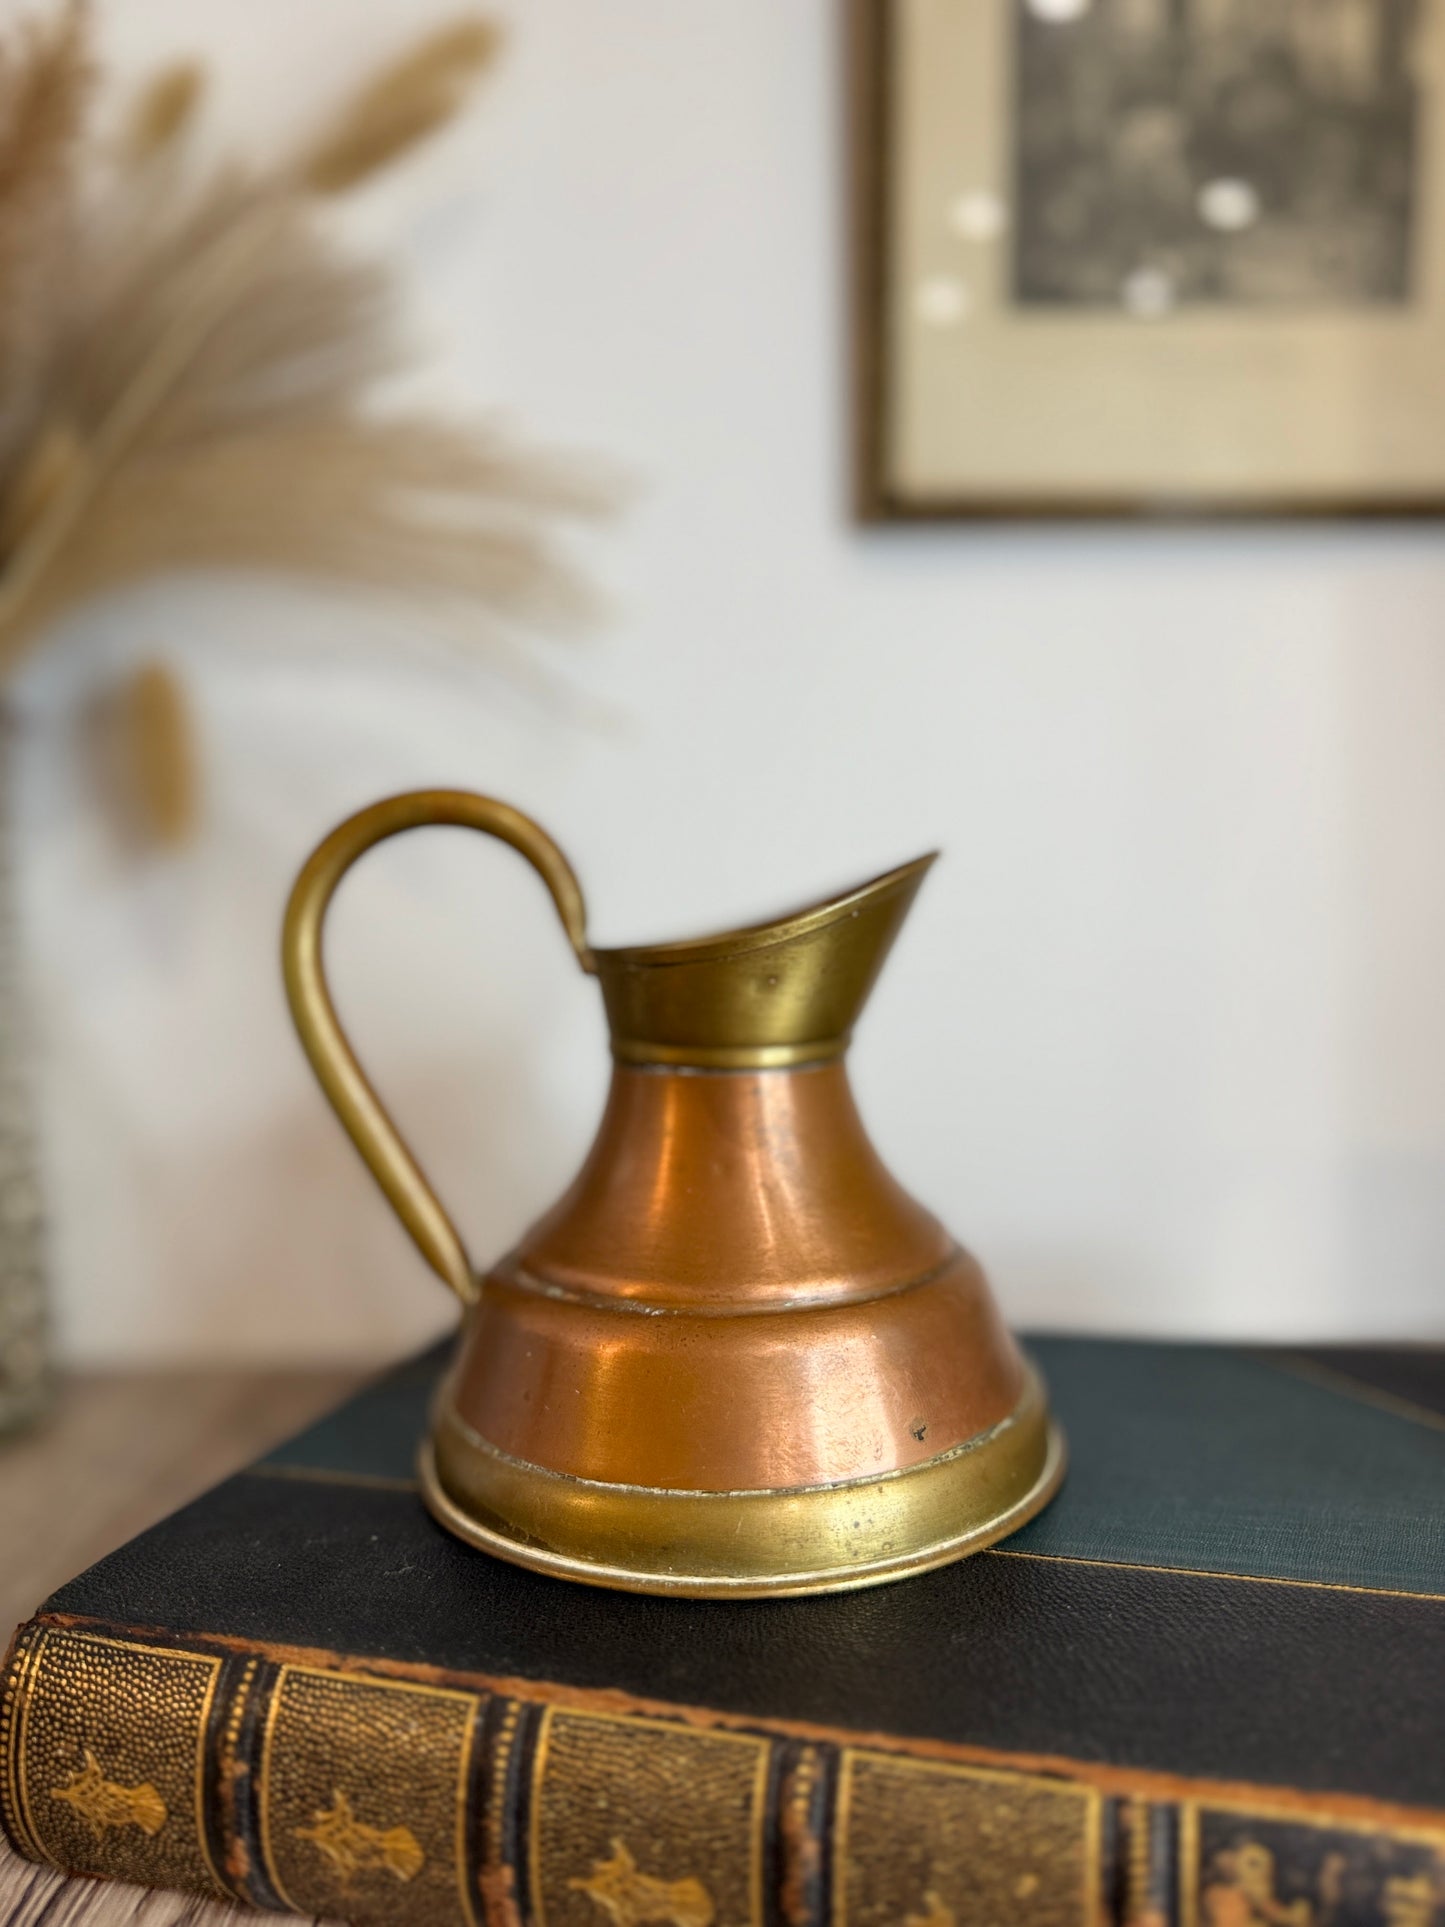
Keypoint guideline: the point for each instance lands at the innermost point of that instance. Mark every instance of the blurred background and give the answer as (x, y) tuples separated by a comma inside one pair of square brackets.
[(1164, 1040)]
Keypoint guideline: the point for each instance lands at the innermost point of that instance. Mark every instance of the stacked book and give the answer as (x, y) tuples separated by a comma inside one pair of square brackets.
[(1206, 1686)]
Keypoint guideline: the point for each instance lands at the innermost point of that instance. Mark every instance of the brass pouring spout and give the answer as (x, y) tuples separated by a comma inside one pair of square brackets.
[(770, 995)]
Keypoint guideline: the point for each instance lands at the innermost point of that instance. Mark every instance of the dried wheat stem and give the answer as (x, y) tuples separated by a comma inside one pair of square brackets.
[(164, 111)]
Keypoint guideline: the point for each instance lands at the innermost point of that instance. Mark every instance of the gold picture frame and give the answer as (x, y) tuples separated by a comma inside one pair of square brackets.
[(1088, 287)]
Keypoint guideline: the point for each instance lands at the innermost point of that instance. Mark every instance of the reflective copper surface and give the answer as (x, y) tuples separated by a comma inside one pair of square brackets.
[(693, 1313), (798, 1207), (736, 1356)]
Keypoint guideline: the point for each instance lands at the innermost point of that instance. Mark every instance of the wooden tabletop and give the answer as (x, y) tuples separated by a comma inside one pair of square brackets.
[(118, 1452)]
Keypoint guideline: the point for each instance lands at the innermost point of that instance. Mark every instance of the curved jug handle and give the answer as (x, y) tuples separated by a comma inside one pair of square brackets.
[(332, 1058)]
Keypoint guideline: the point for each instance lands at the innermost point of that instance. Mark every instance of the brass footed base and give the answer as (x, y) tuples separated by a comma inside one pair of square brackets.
[(717, 1545)]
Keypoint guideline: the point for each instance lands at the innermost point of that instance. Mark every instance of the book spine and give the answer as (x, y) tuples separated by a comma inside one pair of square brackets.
[(338, 1789)]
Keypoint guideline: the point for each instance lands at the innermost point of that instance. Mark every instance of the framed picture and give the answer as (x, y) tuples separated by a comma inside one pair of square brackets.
[(1136, 257)]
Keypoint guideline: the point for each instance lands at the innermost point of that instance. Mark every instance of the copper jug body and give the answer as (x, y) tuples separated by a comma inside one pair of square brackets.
[(736, 1358)]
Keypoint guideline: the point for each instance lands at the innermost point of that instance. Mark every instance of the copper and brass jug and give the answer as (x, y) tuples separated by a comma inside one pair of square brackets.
[(736, 1358)]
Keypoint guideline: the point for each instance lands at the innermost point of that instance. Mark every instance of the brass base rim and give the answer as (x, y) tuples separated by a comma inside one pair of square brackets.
[(938, 1512)]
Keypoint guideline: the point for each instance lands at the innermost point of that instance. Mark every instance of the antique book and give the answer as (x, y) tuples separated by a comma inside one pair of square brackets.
[(1206, 1687)]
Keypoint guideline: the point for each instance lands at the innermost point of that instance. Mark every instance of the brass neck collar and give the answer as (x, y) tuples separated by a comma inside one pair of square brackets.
[(770, 996)]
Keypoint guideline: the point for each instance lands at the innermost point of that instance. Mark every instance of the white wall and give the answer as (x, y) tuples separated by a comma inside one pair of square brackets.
[(1164, 1041)]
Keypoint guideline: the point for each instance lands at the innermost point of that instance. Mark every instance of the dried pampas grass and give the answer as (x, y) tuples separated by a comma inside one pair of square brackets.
[(45, 88), (197, 388), (214, 414)]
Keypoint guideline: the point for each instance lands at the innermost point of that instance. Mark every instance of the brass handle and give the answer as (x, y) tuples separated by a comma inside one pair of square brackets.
[(332, 1058)]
